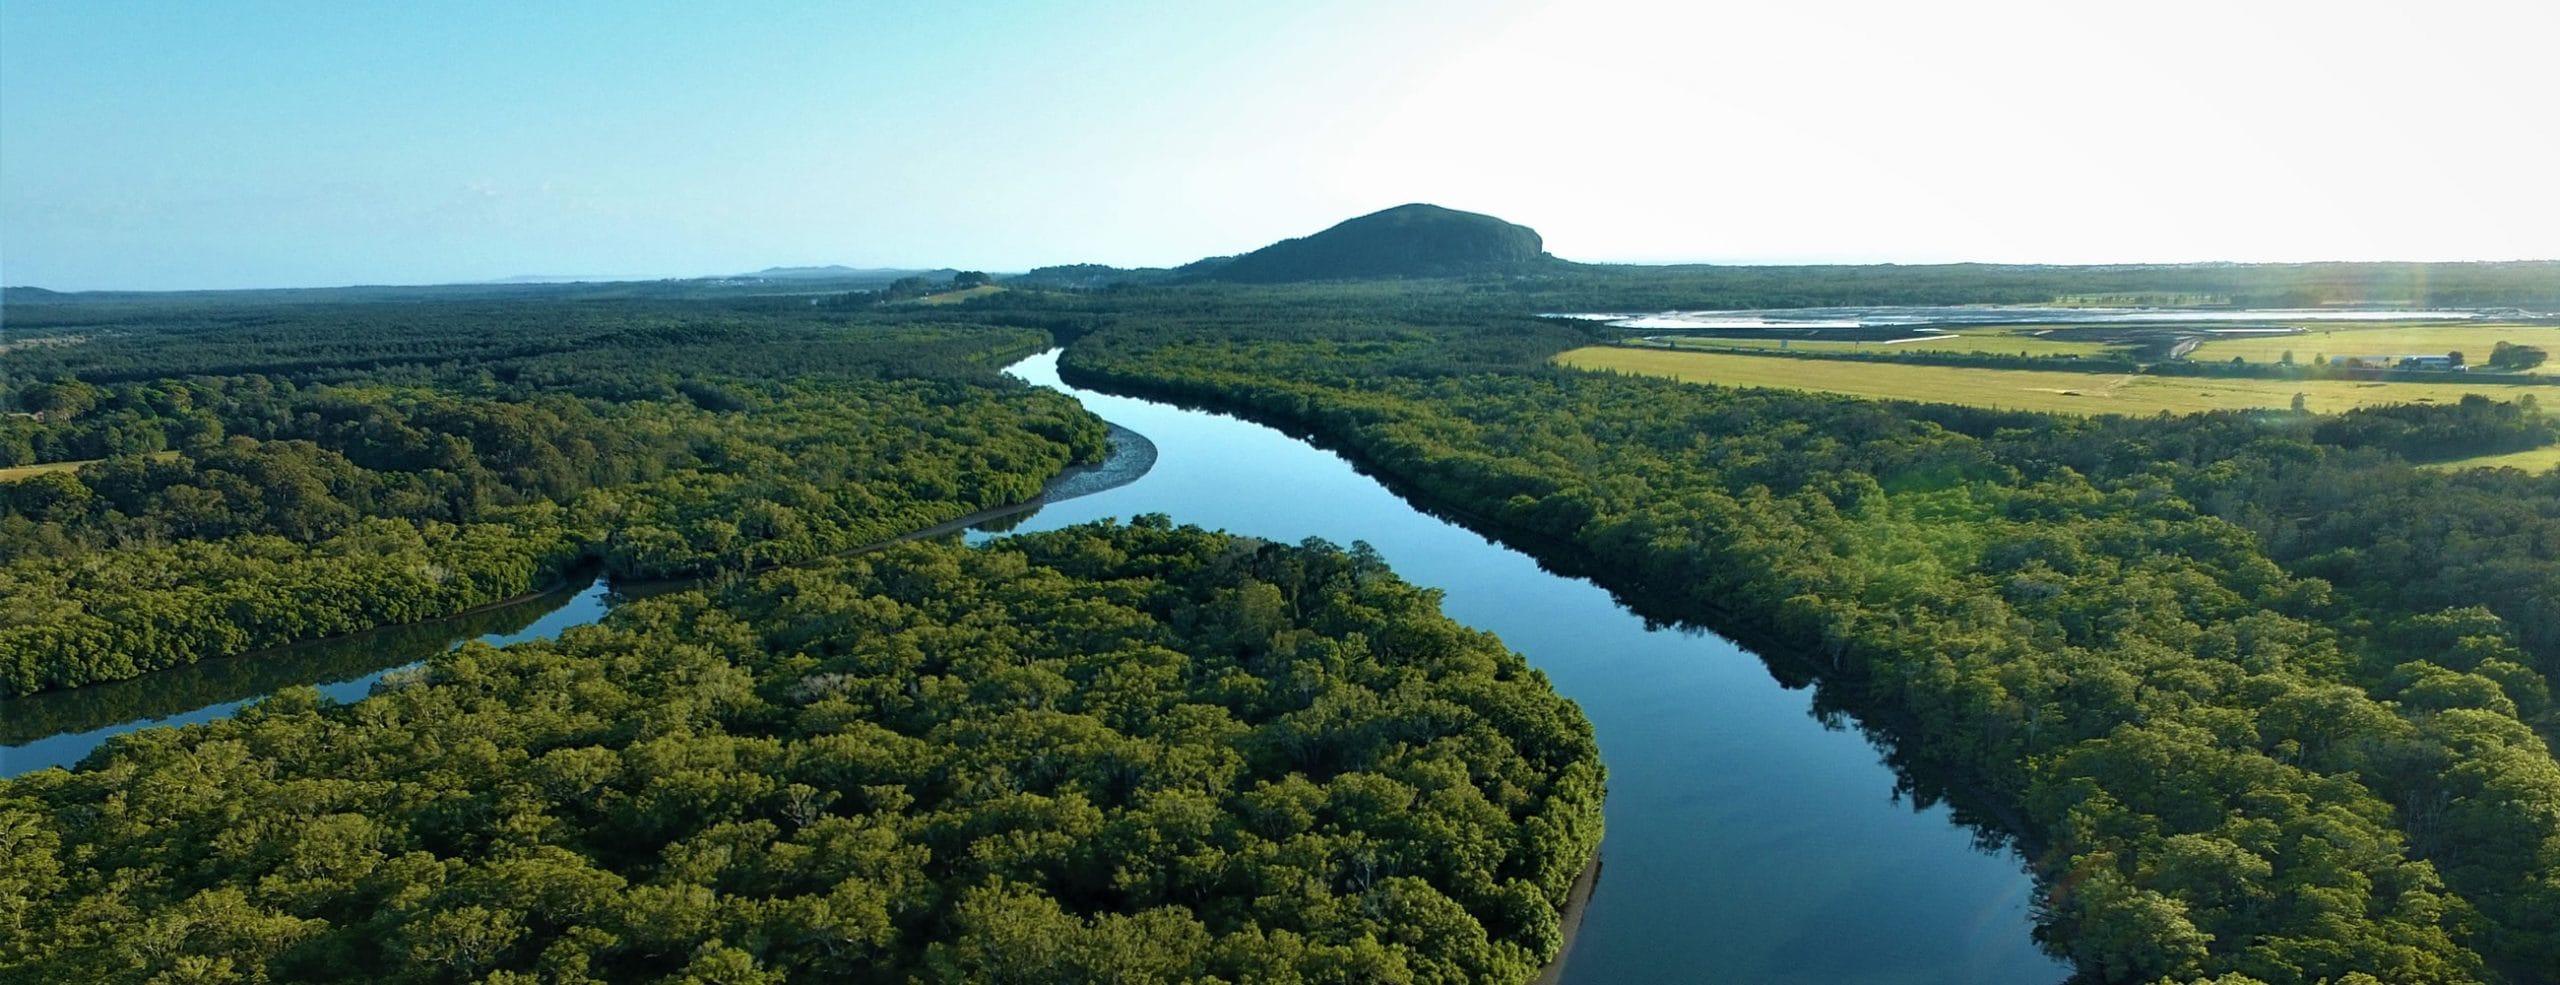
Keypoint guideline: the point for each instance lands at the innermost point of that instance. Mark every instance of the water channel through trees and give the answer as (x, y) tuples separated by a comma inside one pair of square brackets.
[(1748, 841)]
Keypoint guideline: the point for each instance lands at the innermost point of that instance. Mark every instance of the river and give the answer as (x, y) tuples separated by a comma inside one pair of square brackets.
[(56, 728), (1748, 841)]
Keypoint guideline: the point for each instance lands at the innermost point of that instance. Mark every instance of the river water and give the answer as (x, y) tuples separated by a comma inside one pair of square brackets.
[(1747, 841), (56, 728)]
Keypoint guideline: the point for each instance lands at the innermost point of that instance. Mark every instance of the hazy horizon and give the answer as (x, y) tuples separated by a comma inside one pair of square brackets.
[(307, 145), (538, 279)]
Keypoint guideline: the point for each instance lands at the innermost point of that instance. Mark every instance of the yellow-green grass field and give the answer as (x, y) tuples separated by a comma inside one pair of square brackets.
[(2532, 460), (2005, 341), (2017, 389), (16, 472), (963, 294), (2323, 341)]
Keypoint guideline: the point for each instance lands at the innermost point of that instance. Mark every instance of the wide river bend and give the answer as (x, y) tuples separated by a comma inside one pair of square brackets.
[(1748, 841)]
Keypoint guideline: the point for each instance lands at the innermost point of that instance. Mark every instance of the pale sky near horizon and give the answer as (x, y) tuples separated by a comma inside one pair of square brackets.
[(169, 145)]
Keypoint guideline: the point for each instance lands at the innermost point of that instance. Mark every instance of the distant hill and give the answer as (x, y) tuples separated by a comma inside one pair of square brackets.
[(1405, 241), (559, 279), (840, 272)]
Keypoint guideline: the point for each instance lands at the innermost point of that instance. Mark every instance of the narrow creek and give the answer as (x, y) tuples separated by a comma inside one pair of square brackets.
[(1747, 842), (57, 728)]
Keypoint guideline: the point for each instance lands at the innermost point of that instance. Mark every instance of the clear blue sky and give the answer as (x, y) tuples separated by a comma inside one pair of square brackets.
[(178, 145)]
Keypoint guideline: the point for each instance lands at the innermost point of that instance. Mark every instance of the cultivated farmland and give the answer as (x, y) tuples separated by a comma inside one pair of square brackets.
[(2011, 389)]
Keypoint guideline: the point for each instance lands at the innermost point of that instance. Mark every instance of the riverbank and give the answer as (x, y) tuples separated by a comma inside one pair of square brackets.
[(215, 688), (56, 728), (1792, 657), (1745, 825), (1577, 905), (1131, 457)]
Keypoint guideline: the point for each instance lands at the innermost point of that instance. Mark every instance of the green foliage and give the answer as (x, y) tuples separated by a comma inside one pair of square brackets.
[(2476, 426), (2261, 702), (2202, 668), (1132, 753), (178, 690), (1559, 286), (2508, 355), (230, 514)]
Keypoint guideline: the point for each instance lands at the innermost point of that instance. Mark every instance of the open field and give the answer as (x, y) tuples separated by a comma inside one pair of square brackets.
[(42, 341), (16, 472), (963, 294), (2316, 342), (2003, 341), (2014, 389), (2535, 460)]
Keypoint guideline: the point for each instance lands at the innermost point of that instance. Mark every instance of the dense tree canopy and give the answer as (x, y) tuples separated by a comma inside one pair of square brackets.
[(1134, 753), (2156, 651), (2260, 701), (228, 514)]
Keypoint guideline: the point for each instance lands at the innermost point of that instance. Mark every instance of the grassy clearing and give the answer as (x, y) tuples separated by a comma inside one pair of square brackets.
[(1995, 341), (16, 472), (2013, 389), (955, 297), (2473, 341), (43, 341), (2535, 460)]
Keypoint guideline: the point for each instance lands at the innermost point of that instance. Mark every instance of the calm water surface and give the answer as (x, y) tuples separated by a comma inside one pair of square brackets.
[(59, 727), (1747, 843)]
